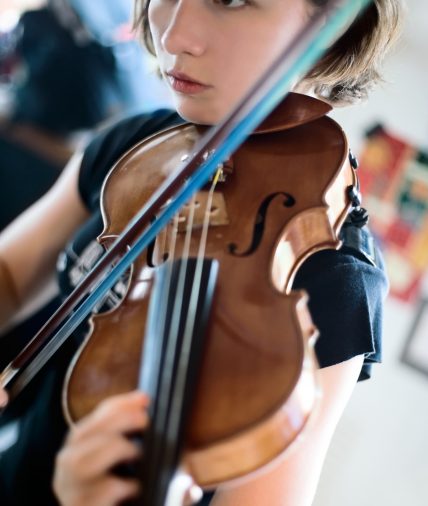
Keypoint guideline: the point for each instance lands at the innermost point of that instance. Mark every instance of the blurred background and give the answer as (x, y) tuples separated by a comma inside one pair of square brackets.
[(66, 67), (379, 455)]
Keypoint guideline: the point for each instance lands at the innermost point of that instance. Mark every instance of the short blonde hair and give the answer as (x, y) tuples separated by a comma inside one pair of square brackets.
[(351, 67)]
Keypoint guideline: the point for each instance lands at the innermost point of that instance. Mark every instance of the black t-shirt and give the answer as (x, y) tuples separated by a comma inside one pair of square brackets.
[(345, 299)]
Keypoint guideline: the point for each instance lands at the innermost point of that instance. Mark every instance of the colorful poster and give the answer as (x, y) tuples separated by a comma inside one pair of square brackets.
[(394, 184)]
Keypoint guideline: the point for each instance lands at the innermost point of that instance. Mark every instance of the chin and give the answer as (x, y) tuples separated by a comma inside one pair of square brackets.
[(199, 113)]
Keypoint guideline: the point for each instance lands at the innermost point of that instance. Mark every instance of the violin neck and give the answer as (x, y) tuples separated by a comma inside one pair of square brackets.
[(178, 315)]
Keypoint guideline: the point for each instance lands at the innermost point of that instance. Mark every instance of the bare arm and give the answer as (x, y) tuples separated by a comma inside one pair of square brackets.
[(294, 480), (30, 245)]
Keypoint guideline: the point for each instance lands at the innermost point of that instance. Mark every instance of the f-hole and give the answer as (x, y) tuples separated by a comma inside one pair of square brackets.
[(259, 224)]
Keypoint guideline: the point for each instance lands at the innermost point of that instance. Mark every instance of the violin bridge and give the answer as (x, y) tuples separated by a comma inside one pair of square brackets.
[(217, 213)]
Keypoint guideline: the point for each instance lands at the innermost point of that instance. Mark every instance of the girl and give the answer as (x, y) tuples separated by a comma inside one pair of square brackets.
[(209, 52)]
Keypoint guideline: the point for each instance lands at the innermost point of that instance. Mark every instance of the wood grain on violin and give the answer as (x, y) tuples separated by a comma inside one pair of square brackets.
[(284, 197)]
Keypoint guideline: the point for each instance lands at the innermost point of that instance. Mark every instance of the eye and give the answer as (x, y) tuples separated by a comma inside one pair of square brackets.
[(232, 4)]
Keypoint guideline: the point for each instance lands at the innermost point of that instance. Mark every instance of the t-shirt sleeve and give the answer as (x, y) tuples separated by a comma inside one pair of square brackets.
[(111, 143), (346, 297)]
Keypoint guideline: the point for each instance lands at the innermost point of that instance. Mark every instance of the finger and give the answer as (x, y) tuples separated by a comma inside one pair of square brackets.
[(119, 414), (106, 491), (111, 491), (91, 458), (3, 398)]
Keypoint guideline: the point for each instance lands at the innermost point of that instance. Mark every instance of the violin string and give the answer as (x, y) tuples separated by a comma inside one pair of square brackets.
[(154, 344), (170, 399), (179, 386), (167, 368), (172, 243), (179, 295), (184, 257), (168, 257)]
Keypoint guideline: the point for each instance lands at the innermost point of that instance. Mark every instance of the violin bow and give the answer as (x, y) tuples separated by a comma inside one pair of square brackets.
[(209, 153)]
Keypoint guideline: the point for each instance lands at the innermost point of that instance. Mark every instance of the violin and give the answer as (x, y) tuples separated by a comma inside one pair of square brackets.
[(248, 384), (210, 327)]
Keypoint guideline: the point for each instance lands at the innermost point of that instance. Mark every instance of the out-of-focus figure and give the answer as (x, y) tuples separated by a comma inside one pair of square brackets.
[(67, 67)]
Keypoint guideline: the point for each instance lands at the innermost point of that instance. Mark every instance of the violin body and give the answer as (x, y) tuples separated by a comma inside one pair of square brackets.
[(284, 198)]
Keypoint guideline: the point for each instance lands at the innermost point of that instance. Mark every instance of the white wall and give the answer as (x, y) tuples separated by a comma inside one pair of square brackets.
[(379, 455)]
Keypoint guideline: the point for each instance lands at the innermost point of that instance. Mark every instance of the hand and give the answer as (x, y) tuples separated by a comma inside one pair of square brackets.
[(94, 446), (97, 444)]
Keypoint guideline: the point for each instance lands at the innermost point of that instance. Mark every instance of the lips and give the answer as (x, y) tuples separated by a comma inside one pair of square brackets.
[(185, 84)]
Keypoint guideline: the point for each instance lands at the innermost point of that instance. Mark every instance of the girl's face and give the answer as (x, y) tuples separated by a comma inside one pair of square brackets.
[(210, 52)]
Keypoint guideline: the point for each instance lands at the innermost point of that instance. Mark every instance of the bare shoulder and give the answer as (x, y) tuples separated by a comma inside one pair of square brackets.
[(292, 481)]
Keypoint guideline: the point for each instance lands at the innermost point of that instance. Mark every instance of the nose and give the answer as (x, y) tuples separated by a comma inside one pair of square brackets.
[(185, 31)]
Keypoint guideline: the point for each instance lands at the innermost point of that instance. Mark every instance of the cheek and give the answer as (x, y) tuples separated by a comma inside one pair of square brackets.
[(271, 34), (287, 20), (283, 31), (248, 57)]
